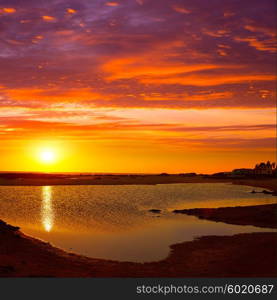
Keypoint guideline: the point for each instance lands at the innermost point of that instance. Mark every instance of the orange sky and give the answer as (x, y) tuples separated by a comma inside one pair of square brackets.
[(137, 86)]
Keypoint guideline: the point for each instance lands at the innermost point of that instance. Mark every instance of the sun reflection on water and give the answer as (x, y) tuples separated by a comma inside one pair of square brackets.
[(47, 215)]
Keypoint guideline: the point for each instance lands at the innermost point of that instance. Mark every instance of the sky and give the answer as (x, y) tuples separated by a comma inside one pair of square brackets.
[(137, 85)]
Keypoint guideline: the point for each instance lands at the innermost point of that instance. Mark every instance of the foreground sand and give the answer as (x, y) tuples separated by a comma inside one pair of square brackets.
[(241, 255)]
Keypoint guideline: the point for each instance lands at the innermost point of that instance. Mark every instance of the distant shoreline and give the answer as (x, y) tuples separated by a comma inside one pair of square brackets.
[(264, 182)]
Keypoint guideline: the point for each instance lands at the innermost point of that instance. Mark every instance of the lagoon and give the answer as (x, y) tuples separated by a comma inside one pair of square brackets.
[(114, 221)]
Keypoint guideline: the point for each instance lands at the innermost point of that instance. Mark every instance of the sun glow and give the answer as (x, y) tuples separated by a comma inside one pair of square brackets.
[(47, 156)]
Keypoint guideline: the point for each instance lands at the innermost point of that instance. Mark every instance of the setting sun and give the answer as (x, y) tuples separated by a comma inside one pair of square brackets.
[(47, 156)]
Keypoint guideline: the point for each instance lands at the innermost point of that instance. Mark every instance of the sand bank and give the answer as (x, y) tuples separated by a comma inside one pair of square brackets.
[(257, 215)]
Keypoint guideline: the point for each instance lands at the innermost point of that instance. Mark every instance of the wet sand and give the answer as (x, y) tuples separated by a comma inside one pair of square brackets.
[(257, 215), (241, 255)]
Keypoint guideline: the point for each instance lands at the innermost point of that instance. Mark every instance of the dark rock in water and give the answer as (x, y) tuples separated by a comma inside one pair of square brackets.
[(155, 211), (267, 192), (274, 193)]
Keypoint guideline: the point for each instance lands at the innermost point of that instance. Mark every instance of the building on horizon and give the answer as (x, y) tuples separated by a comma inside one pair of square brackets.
[(265, 168)]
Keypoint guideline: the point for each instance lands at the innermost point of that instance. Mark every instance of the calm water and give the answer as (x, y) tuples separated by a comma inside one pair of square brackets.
[(113, 222)]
